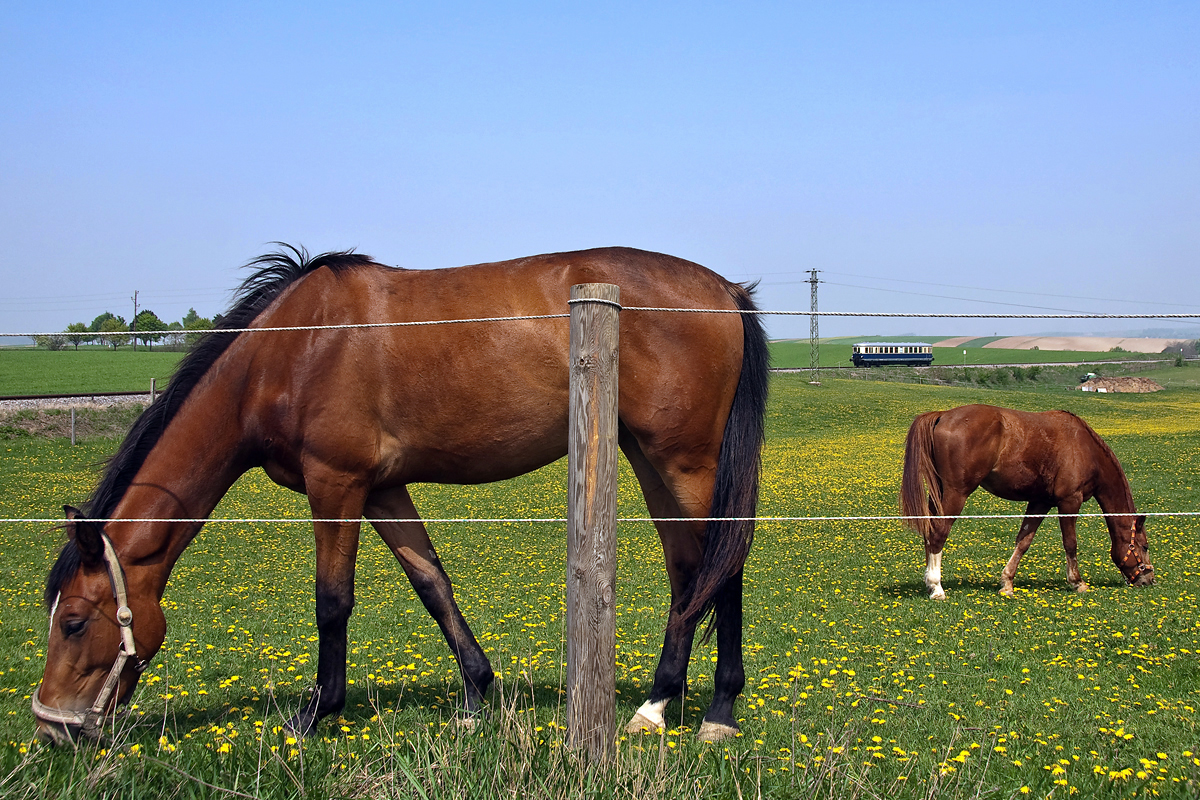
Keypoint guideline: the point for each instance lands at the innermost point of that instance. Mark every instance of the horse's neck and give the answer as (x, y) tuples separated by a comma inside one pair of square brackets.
[(182, 479), (1113, 493)]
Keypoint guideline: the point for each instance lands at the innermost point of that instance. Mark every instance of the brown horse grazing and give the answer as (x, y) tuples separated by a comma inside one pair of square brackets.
[(1049, 459), (350, 417)]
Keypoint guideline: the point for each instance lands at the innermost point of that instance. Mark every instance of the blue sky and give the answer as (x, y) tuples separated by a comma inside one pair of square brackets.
[(925, 156)]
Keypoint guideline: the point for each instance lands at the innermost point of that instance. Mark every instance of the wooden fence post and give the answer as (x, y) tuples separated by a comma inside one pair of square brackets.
[(592, 520)]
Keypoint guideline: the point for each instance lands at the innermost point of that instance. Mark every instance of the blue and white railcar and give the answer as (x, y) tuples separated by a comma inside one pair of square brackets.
[(876, 354)]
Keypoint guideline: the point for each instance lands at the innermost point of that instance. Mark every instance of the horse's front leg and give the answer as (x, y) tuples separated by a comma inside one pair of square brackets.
[(336, 551), (409, 542), (1034, 514), (1067, 525)]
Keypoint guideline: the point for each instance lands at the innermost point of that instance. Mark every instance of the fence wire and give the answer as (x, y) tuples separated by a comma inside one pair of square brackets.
[(752, 312), (563, 520)]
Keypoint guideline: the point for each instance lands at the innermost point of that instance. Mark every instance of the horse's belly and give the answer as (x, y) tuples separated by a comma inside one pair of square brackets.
[(1023, 488), (488, 455)]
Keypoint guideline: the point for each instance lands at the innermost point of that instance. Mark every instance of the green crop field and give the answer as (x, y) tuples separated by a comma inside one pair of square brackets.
[(795, 353), (859, 686), (26, 371), (30, 371)]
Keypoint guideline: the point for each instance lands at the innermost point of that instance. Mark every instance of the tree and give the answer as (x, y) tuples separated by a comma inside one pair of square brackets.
[(51, 342), (148, 327), (78, 328), (114, 331), (174, 334), (194, 322), (99, 320)]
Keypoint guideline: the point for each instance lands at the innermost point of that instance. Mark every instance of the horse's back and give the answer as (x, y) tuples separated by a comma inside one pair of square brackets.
[(479, 401), (1014, 454)]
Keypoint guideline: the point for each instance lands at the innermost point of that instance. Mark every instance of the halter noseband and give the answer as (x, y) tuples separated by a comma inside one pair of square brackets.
[(1141, 568), (92, 720)]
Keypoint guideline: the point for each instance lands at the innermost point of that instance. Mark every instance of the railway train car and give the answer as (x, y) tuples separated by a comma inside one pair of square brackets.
[(875, 354)]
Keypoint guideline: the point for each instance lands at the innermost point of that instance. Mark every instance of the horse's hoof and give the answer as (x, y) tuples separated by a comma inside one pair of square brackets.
[(640, 724), (467, 724), (1007, 591), (937, 595), (299, 726), (1082, 587), (716, 731)]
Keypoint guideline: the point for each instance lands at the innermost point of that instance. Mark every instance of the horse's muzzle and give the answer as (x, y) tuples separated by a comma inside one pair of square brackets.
[(58, 733), (1144, 578)]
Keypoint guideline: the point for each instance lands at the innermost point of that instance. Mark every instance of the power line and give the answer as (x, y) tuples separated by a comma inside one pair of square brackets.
[(1014, 291)]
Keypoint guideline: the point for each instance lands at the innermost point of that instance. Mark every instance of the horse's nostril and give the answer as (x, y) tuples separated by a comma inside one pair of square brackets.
[(53, 734)]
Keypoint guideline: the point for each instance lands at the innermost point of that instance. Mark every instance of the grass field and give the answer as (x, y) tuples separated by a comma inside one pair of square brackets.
[(859, 685), (794, 353), (30, 371)]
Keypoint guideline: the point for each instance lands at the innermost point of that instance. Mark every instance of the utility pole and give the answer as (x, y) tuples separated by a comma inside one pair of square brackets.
[(814, 346), (133, 322)]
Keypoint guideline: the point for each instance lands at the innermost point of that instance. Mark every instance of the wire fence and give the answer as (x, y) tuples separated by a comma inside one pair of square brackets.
[(563, 520), (517, 318)]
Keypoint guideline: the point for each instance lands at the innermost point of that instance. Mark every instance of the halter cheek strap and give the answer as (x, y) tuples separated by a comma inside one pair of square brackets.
[(93, 720), (1142, 566)]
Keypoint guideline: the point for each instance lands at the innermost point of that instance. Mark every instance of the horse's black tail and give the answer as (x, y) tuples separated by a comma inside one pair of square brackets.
[(735, 492)]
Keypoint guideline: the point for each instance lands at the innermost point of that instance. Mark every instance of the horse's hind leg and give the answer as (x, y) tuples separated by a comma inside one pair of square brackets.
[(410, 543), (682, 552), (730, 677), (1067, 525), (1034, 514), (935, 542)]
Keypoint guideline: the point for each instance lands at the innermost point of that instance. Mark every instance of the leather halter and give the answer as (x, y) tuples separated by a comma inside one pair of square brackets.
[(1141, 568), (92, 720)]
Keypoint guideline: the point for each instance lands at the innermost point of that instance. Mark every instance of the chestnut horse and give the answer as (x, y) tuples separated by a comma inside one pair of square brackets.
[(1047, 459), (351, 416)]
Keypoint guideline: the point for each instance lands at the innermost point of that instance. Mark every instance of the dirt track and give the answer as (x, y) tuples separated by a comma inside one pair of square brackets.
[(1086, 344)]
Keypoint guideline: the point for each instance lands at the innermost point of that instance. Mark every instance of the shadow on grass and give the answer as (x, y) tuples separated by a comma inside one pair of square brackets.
[(422, 703), (912, 589)]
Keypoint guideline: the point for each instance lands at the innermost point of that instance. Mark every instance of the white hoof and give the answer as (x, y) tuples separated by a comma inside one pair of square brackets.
[(937, 594), (467, 724), (648, 718), (640, 724), (716, 732), (1082, 587)]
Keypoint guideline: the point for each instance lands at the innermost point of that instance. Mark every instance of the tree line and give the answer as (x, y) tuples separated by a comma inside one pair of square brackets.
[(111, 330)]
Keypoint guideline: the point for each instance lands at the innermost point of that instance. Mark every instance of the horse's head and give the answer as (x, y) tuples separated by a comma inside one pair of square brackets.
[(1130, 551), (103, 630)]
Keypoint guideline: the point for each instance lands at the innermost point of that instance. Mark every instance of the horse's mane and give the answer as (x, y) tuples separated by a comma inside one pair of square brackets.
[(1104, 448), (273, 273)]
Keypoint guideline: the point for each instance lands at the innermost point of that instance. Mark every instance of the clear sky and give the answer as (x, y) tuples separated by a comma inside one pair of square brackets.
[(925, 156)]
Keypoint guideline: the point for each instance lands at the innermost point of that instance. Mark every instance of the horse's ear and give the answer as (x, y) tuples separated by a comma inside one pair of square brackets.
[(86, 535), (1140, 522)]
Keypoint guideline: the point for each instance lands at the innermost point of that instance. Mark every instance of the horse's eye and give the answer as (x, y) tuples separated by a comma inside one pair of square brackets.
[(73, 627)]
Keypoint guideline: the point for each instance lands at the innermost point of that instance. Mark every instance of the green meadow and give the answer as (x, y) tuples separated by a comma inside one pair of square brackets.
[(96, 369), (89, 369), (795, 353), (858, 685)]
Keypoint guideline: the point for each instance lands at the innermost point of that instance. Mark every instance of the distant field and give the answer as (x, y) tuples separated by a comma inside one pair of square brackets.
[(794, 353), (65, 371), (29, 371)]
